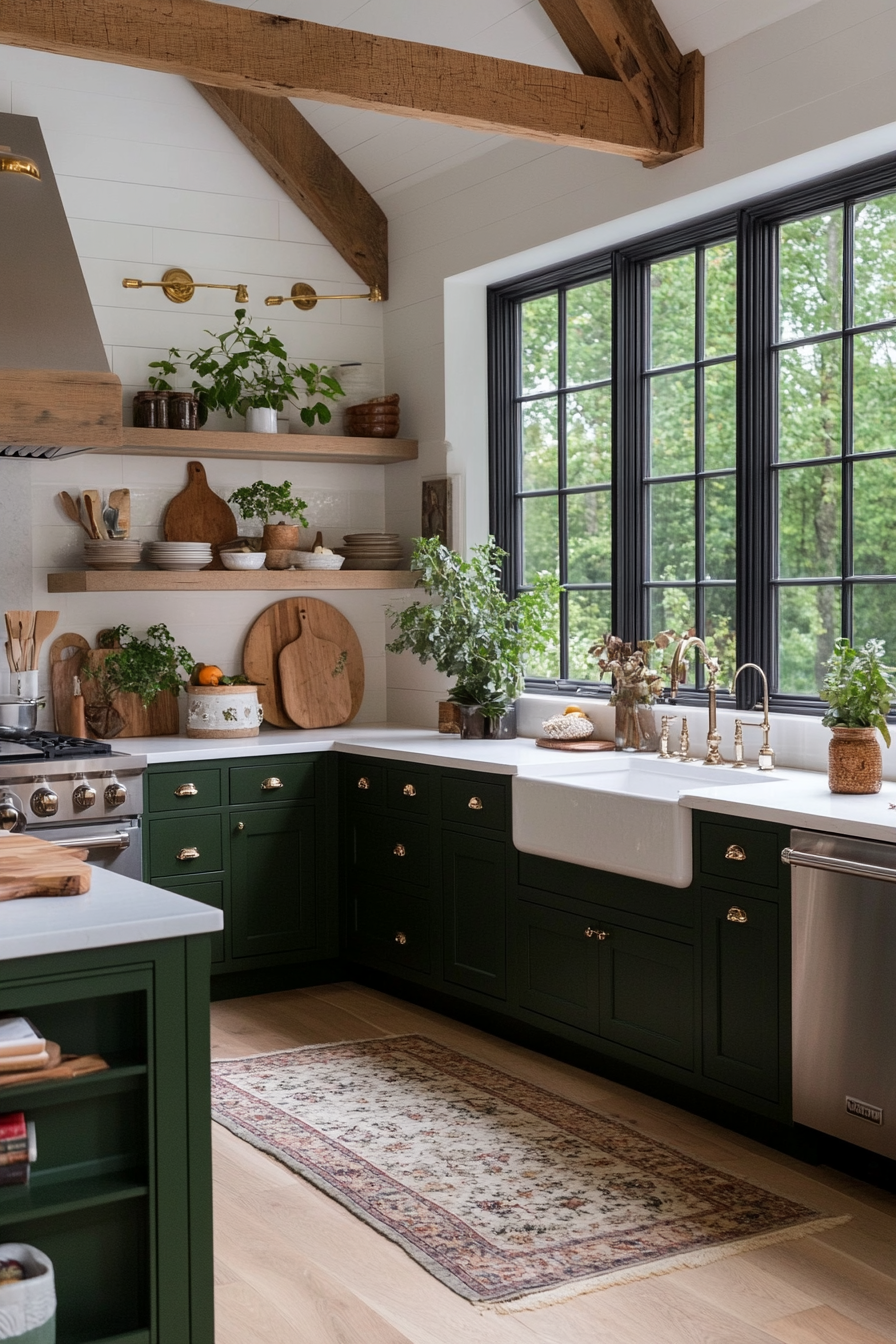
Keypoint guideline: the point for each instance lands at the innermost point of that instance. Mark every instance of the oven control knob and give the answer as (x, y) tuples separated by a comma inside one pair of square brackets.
[(116, 794), (12, 818), (45, 802), (83, 797)]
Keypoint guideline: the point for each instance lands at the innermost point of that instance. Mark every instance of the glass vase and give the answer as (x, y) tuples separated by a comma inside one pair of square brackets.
[(636, 728)]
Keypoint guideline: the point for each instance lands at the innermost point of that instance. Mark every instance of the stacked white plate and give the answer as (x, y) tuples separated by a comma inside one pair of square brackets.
[(123, 554), (371, 550), (178, 554)]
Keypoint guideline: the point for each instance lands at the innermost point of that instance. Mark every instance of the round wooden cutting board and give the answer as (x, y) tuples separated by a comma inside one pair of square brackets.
[(280, 625)]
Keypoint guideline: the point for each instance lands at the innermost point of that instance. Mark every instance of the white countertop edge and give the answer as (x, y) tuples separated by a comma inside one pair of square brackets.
[(864, 816)]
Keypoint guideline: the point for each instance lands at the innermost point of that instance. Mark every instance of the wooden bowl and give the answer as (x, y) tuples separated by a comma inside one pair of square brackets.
[(377, 419)]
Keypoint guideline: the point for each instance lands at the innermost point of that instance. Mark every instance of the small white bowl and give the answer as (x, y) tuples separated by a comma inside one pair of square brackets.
[(308, 560), (242, 559)]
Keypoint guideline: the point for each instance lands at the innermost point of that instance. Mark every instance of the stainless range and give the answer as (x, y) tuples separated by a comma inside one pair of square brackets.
[(77, 793)]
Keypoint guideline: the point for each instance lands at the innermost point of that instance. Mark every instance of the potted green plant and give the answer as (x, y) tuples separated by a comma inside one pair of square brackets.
[(476, 633), (144, 667), (248, 371), (263, 501), (859, 687), (320, 388)]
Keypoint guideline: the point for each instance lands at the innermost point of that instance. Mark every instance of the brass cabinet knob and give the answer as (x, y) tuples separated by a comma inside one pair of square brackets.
[(186, 791), (409, 791), (363, 782), (401, 939), (475, 804), (600, 934), (736, 852), (189, 852), (736, 915), (241, 825), (272, 783), (399, 850)]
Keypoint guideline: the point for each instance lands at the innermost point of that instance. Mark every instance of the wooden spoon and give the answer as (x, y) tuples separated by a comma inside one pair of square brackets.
[(73, 511), (16, 623), (91, 515), (44, 625)]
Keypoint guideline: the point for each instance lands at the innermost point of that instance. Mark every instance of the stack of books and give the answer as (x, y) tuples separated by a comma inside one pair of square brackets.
[(22, 1048), (18, 1148)]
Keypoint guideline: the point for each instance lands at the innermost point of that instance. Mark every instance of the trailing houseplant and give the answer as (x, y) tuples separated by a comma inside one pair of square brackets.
[(263, 501), (860, 688), (144, 667), (476, 633)]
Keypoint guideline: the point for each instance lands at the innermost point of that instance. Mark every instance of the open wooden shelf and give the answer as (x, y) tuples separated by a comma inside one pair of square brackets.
[(288, 447), (226, 580)]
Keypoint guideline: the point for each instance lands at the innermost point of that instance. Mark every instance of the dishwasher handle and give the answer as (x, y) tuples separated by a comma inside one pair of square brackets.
[(798, 858), (119, 841)]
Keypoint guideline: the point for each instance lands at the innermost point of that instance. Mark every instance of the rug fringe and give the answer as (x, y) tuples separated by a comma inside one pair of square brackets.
[(692, 1260)]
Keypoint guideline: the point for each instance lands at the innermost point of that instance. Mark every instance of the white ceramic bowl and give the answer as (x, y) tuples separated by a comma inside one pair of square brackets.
[(242, 559), (308, 560)]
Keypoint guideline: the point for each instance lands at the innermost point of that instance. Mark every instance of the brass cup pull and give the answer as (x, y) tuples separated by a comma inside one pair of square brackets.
[(409, 791), (190, 852), (363, 782), (736, 915), (600, 934), (399, 851), (186, 791), (475, 804), (401, 939), (736, 852), (272, 783)]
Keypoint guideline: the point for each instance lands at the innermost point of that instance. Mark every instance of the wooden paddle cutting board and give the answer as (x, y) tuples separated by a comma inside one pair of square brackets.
[(66, 657), (314, 679), (280, 625), (198, 514), (33, 867)]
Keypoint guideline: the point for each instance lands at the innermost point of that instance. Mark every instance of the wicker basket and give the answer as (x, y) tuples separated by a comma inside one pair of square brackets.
[(376, 419), (854, 761)]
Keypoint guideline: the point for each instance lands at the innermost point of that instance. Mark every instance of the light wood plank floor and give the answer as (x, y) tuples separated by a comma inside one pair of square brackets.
[(293, 1267)]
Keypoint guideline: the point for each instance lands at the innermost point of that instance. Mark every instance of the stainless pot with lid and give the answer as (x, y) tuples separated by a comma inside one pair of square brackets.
[(18, 716)]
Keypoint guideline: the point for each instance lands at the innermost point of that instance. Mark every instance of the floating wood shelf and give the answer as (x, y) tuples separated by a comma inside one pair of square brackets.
[(287, 447), (226, 580)]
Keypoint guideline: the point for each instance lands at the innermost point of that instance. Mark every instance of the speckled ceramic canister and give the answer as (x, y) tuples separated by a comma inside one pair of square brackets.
[(854, 761)]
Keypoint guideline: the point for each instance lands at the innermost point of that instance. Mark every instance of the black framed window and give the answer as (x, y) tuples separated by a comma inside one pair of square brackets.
[(747, 482)]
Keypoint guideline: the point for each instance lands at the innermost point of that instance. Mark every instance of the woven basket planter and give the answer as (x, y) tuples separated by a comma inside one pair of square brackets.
[(854, 761)]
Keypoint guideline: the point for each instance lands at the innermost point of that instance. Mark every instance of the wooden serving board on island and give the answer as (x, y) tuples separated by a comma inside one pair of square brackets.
[(33, 867)]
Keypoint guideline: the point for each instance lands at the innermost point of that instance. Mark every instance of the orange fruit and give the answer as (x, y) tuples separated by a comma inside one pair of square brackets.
[(210, 675)]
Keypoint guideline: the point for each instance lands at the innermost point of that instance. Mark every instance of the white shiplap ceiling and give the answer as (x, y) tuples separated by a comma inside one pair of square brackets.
[(389, 153)]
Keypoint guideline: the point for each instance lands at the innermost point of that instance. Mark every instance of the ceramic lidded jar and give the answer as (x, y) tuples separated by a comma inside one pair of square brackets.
[(854, 761), (223, 711)]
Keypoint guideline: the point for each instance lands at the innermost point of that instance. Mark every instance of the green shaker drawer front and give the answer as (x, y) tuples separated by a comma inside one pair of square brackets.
[(473, 803), (647, 994), (272, 884), (739, 854), (210, 893), (740, 993), (474, 870), (390, 927), (407, 792), (557, 969), (283, 782), (182, 846), (392, 850), (184, 790), (365, 784)]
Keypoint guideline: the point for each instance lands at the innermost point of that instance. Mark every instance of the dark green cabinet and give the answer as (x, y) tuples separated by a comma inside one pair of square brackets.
[(647, 994), (557, 965), (474, 880), (390, 928), (210, 893), (741, 993), (272, 904)]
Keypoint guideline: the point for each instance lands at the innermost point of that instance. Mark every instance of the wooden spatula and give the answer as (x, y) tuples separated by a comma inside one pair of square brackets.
[(314, 681), (72, 510), (121, 500), (44, 625), (17, 624), (94, 510)]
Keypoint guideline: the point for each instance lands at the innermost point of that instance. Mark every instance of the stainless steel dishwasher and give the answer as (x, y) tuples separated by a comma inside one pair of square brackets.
[(844, 987)]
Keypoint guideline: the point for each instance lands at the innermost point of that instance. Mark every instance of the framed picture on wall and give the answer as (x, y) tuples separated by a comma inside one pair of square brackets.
[(436, 519)]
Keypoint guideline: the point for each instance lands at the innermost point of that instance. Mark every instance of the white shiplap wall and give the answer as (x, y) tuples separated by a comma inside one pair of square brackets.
[(150, 178), (780, 102)]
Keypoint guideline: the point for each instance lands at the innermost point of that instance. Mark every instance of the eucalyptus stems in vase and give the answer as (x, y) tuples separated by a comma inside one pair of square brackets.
[(637, 671)]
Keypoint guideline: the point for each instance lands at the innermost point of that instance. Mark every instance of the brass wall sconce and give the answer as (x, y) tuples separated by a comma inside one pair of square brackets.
[(306, 298), (179, 286), (18, 163)]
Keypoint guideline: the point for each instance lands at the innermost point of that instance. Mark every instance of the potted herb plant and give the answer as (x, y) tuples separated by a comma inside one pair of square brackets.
[(476, 633), (249, 371), (859, 687), (144, 667), (264, 502)]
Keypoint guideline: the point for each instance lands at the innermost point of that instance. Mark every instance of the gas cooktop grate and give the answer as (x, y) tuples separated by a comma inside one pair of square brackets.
[(51, 747)]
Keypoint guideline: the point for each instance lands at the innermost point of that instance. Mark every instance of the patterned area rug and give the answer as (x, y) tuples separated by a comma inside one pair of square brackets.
[(506, 1193)]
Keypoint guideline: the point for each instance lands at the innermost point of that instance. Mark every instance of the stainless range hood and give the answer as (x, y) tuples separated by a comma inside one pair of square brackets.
[(57, 395)]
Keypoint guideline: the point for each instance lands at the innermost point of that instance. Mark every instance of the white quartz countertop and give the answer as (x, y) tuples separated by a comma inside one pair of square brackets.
[(802, 798), (117, 910)]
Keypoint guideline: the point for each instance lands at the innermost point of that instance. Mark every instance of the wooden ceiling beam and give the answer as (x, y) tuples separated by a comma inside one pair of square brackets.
[(313, 176), (666, 87), (245, 50)]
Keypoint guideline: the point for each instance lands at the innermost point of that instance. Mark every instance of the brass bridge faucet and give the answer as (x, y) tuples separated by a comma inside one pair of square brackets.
[(766, 759), (713, 737)]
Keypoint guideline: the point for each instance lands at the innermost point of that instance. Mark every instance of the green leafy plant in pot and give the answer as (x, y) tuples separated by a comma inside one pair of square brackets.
[(132, 666), (263, 501), (476, 633), (859, 687)]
